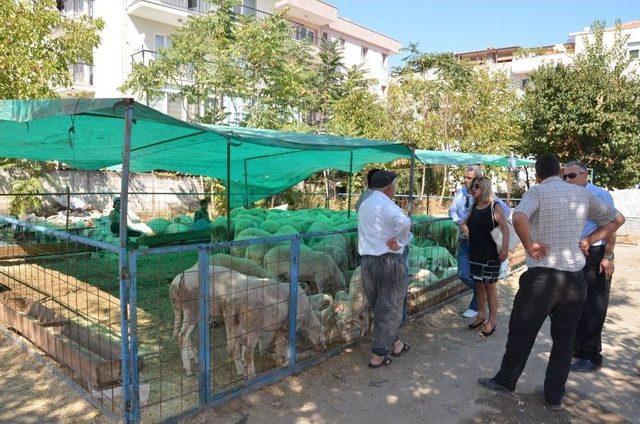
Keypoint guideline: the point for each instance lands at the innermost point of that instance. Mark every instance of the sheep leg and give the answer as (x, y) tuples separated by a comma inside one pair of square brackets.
[(249, 352)]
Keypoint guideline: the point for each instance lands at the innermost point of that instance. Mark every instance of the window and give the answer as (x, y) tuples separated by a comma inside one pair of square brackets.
[(325, 36), (304, 33), (524, 83), (363, 52), (161, 42), (247, 8), (174, 105), (633, 54), (342, 42)]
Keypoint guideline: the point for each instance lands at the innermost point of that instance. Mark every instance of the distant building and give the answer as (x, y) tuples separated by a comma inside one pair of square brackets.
[(136, 29), (518, 63)]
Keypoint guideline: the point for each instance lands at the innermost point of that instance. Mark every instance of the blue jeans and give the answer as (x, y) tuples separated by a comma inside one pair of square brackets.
[(464, 271)]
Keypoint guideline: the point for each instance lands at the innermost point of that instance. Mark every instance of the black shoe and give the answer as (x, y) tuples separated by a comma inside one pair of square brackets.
[(484, 333), (491, 384), (553, 406), (584, 365)]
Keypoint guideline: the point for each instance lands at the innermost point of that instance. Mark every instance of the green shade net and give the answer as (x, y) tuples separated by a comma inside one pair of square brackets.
[(87, 134), (435, 157)]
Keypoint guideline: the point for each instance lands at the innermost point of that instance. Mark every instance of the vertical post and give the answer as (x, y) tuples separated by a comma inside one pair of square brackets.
[(293, 300), (66, 226), (350, 178), (510, 170), (204, 357), (228, 189), (246, 186), (153, 193), (133, 337), (412, 171), (123, 263)]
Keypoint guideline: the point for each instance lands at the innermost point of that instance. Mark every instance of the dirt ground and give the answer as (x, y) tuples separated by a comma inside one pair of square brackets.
[(434, 382)]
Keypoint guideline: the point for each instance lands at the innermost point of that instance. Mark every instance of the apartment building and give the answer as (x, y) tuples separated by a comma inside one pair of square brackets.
[(518, 63), (136, 29)]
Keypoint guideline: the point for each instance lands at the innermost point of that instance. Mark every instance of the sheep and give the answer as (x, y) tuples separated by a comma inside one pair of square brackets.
[(353, 313), (314, 267), (263, 306), (242, 265), (232, 296)]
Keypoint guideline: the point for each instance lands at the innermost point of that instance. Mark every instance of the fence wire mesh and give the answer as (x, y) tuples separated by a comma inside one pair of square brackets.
[(287, 291)]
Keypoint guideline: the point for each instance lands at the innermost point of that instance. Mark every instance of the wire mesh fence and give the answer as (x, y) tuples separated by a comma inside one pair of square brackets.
[(61, 294), (208, 319)]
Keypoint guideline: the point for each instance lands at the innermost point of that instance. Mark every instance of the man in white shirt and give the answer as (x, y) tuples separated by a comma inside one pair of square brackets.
[(383, 232)]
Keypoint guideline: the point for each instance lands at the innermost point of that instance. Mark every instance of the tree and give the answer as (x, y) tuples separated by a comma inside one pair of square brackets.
[(589, 110), (329, 80), (222, 55), (37, 46)]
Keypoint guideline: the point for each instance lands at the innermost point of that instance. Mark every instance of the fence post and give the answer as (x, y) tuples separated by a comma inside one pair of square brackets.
[(204, 357), (293, 300), (133, 338)]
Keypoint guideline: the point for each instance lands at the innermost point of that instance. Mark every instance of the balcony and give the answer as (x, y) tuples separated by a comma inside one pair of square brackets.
[(526, 65), (172, 12), (313, 11)]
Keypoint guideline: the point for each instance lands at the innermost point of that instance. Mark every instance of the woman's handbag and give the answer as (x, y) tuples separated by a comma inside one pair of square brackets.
[(496, 233)]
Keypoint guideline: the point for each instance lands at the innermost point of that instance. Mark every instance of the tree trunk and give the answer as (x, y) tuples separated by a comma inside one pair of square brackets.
[(444, 185)]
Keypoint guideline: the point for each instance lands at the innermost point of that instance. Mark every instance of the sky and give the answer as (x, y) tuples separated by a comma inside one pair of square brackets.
[(467, 25)]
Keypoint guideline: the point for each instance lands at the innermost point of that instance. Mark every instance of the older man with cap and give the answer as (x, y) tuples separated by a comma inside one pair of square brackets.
[(597, 276), (383, 232)]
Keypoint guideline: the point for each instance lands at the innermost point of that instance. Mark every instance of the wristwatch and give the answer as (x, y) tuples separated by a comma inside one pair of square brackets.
[(609, 257)]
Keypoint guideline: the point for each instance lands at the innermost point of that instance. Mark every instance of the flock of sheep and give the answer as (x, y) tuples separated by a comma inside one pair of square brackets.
[(249, 286)]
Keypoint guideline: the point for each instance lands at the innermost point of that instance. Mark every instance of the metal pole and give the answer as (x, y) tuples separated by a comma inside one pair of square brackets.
[(66, 226), (412, 170), (350, 178), (123, 264), (204, 356), (293, 300), (133, 337), (246, 185), (228, 190)]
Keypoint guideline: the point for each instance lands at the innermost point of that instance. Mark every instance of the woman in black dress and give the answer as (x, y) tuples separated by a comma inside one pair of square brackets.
[(484, 255)]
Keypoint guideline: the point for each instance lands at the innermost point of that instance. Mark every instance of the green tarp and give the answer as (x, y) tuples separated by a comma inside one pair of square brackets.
[(436, 157), (87, 134)]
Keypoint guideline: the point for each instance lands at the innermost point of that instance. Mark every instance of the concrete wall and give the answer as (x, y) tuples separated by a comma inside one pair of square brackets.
[(175, 201), (628, 203)]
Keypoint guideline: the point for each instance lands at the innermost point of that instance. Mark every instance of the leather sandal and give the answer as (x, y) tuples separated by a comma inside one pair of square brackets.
[(385, 361), (474, 326), (405, 348)]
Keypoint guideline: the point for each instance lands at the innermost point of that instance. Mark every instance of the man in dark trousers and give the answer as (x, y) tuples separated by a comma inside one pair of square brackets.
[(549, 222), (597, 277)]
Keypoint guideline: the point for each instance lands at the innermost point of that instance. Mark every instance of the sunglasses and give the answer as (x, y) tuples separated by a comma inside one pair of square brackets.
[(572, 175), (476, 187)]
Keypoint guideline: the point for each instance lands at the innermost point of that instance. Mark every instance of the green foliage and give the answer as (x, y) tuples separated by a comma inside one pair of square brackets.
[(37, 46), (589, 111), (221, 54), (26, 201)]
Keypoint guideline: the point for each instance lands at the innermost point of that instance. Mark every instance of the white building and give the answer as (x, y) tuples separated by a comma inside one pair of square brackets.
[(135, 29), (519, 63)]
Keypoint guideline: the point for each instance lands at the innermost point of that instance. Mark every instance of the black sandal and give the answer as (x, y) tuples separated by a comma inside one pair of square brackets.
[(473, 327), (385, 361), (405, 348), (490, 332)]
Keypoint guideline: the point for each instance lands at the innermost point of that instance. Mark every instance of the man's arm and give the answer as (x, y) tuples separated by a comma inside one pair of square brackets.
[(523, 230), (453, 209), (607, 266), (602, 232)]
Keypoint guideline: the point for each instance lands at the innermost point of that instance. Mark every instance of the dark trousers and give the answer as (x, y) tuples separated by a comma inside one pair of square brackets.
[(384, 280), (543, 292), (588, 344)]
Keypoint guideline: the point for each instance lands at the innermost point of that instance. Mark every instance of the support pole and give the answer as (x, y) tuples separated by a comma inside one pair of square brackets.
[(124, 275), (66, 226), (412, 172), (350, 178), (293, 301), (204, 352), (246, 186), (228, 189)]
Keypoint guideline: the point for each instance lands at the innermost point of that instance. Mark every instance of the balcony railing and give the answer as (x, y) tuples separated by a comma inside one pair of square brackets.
[(195, 6)]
